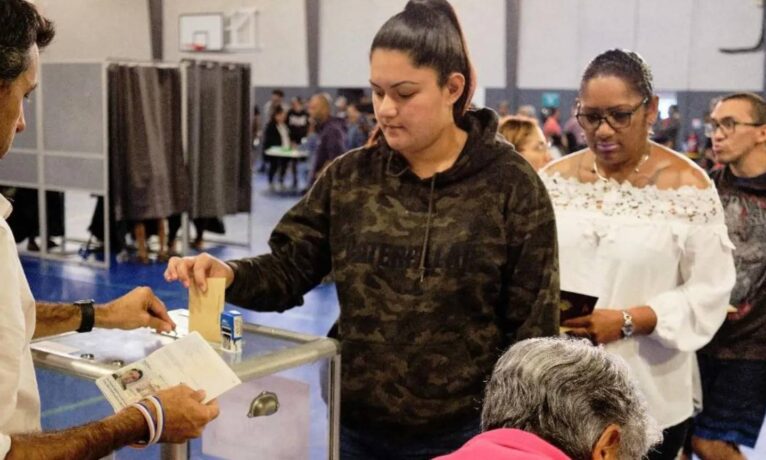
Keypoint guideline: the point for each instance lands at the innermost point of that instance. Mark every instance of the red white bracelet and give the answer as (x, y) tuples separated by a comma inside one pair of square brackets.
[(149, 423), (160, 427)]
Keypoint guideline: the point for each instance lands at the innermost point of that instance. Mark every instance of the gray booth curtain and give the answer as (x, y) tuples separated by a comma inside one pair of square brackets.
[(219, 143), (148, 176)]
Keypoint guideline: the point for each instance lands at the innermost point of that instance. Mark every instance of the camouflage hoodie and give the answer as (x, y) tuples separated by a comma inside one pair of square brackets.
[(435, 277)]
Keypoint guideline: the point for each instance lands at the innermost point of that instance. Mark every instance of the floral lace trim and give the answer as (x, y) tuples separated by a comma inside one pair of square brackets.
[(611, 198)]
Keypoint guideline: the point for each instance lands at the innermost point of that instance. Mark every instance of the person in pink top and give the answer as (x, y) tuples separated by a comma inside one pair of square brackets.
[(559, 399), (507, 443), (551, 127)]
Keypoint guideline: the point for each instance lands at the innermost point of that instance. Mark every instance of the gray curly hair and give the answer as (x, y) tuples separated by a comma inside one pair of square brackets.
[(567, 392)]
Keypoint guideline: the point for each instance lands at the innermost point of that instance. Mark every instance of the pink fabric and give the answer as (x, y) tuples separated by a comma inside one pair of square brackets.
[(551, 127), (506, 444)]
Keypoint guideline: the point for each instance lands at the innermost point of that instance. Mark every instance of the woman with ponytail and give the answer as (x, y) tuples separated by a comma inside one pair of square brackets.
[(441, 241)]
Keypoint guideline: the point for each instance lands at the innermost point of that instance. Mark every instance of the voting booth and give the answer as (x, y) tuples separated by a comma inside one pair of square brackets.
[(286, 408)]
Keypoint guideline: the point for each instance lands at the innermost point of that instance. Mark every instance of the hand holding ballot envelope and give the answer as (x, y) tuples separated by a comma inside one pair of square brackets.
[(197, 269)]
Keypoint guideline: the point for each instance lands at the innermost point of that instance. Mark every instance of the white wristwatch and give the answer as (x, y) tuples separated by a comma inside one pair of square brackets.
[(627, 324)]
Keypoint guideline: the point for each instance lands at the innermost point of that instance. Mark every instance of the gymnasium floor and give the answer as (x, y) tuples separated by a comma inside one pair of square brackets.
[(67, 401)]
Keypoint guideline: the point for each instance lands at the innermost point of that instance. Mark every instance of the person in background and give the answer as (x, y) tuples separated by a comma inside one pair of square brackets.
[(528, 111), (341, 105), (553, 133), (733, 364), (23, 34), (527, 138), (330, 134), (573, 133), (503, 109), (25, 221), (255, 130), (441, 241), (556, 399), (707, 159), (641, 229), (298, 123), (358, 127), (551, 126), (276, 100), (276, 134), (671, 126)]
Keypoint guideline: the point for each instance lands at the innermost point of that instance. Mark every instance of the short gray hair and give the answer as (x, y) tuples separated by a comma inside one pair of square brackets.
[(567, 392)]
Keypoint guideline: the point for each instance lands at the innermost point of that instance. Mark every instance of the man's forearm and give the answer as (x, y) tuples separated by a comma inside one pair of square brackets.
[(92, 441), (56, 318)]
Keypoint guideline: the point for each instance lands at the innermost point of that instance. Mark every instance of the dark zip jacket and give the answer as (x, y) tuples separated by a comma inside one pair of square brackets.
[(435, 277)]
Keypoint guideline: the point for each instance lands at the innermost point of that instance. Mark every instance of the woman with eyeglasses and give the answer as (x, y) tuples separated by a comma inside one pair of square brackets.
[(528, 139), (640, 228)]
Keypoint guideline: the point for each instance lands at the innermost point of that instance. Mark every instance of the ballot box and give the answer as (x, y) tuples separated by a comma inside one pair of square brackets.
[(286, 408)]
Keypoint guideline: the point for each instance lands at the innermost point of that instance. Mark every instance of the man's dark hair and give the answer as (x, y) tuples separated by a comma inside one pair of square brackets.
[(625, 65), (278, 92), (276, 110), (430, 33), (757, 104), (22, 27)]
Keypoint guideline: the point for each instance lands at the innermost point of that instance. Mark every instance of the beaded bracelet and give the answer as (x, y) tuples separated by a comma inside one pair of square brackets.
[(149, 423)]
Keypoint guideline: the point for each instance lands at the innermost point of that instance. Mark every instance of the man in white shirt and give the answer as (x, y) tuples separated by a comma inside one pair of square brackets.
[(22, 33)]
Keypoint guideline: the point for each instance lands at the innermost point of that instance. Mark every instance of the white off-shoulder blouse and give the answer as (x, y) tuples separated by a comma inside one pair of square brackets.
[(668, 249)]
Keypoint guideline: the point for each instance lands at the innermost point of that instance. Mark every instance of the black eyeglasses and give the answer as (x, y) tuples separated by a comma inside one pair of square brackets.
[(727, 125), (617, 119)]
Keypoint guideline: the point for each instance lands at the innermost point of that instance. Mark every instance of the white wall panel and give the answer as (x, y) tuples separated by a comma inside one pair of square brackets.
[(347, 28), (548, 45), (729, 24), (483, 24), (283, 57), (603, 25), (98, 29), (664, 40), (680, 40)]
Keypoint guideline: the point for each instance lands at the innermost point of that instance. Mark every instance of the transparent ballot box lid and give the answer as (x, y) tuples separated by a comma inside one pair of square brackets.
[(290, 383)]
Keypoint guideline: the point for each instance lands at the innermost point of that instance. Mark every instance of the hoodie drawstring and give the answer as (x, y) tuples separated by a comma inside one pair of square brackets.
[(424, 251)]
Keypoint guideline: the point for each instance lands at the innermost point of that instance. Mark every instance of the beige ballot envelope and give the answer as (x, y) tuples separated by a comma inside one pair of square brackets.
[(205, 309)]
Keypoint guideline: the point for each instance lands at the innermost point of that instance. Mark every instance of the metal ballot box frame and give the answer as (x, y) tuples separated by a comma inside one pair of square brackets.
[(265, 351)]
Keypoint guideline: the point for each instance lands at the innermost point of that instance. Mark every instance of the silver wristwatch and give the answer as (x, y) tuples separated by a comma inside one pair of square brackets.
[(627, 324)]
